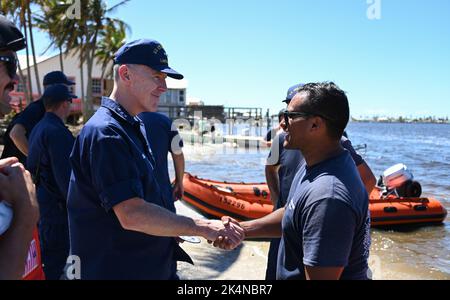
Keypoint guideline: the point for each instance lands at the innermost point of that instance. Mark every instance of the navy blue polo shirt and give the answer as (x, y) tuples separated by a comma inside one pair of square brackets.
[(28, 118), (161, 135), (326, 221), (50, 144), (111, 163)]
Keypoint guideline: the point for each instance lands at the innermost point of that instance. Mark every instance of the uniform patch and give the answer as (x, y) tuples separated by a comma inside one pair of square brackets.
[(32, 259)]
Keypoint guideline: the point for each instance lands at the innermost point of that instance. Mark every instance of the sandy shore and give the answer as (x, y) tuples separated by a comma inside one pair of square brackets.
[(247, 262)]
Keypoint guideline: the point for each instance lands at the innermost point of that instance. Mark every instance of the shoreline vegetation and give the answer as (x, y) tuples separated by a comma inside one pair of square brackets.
[(403, 120)]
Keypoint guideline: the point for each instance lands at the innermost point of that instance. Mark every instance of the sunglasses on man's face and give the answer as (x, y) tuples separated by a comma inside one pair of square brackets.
[(293, 115), (11, 65)]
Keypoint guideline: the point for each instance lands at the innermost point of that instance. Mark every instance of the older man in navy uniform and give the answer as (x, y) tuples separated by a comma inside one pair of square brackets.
[(121, 227), (50, 146), (19, 130)]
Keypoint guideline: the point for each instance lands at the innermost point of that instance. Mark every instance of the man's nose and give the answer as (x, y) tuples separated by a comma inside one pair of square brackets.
[(163, 85), (283, 125), (15, 79)]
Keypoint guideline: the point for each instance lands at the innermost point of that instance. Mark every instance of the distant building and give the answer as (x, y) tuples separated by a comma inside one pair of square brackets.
[(174, 97)]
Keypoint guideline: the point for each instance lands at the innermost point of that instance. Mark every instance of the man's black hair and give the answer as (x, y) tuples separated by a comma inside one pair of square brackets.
[(327, 100)]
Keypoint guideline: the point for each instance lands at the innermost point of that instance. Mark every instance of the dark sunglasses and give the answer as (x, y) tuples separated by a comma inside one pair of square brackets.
[(11, 64), (293, 115)]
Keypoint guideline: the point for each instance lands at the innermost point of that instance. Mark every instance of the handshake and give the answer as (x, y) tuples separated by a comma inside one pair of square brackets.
[(225, 234)]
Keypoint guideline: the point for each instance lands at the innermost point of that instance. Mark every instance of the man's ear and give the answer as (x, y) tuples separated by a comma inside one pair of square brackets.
[(316, 123), (124, 72)]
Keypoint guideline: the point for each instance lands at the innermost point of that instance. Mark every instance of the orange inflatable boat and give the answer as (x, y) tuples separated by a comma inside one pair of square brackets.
[(392, 210), (246, 201), (241, 201)]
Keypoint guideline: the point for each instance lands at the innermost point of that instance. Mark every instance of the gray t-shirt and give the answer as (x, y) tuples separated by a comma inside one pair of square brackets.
[(327, 221)]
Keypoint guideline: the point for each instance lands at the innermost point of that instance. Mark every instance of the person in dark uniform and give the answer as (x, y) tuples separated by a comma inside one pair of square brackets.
[(281, 169), (18, 131), (16, 185), (165, 139), (50, 146), (121, 226)]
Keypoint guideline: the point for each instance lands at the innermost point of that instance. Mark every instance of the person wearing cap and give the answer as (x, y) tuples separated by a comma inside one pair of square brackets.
[(325, 223), (18, 131), (121, 226), (48, 160), (281, 169), (16, 185), (164, 139)]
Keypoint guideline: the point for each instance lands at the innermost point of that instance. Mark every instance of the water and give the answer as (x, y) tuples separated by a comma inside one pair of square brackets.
[(408, 253)]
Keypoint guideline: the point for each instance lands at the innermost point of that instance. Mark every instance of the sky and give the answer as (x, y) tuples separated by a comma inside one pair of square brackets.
[(391, 61)]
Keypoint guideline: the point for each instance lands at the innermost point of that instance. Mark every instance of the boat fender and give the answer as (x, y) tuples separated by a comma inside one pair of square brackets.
[(390, 209), (420, 208)]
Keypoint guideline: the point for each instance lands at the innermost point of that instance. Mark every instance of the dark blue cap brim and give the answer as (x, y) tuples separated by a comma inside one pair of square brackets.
[(67, 82), (170, 72)]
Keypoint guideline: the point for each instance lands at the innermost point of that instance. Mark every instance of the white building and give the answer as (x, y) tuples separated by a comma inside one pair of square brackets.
[(174, 97)]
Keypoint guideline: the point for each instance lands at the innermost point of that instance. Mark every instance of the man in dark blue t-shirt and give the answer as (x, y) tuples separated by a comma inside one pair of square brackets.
[(283, 164), (325, 223)]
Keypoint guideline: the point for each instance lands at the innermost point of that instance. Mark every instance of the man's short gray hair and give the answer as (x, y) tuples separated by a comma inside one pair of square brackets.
[(116, 73)]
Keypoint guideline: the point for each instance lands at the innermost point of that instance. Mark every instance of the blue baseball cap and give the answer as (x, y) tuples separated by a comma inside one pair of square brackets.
[(58, 93), (56, 77), (146, 52), (292, 91), (10, 36)]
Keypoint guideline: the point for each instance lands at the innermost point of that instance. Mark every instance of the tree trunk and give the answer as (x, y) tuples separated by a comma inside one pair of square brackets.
[(89, 102), (61, 62), (30, 87), (83, 98), (24, 83), (36, 71)]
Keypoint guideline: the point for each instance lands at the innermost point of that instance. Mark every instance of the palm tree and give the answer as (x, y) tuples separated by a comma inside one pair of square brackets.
[(49, 20), (93, 36), (9, 9), (111, 39), (20, 12)]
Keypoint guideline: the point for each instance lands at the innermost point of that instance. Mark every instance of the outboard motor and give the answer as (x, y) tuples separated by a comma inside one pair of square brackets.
[(399, 179)]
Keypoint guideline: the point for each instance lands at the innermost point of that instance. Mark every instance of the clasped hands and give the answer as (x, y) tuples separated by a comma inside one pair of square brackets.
[(227, 233)]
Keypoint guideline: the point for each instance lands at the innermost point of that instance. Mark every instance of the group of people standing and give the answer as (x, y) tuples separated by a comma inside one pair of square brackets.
[(105, 196)]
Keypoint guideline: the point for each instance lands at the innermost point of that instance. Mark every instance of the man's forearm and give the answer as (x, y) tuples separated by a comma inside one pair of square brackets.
[(19, 138), (179, 165), (266, 227), (141, 216), (273, 183)]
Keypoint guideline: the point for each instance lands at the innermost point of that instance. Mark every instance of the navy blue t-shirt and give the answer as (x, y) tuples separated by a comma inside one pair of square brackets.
[(28, 118), (327, 221), (161, 135), (50, 146), (289, 162), (111, 163)]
